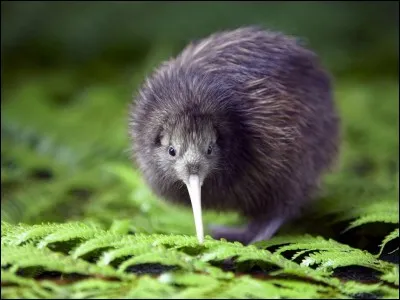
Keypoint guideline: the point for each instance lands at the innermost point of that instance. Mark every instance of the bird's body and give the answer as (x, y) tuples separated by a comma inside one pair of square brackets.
[(251, 113)]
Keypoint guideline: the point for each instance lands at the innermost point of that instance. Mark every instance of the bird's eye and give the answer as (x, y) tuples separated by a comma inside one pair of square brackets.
[(209, 150), (171, 151)]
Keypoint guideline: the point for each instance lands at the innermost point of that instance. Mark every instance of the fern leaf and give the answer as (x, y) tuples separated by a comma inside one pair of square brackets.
[(221, 252), (391, 236), (392, 276), (329, 253), (225, 250), (7, 228), (170, 257), (32, 233), (293, 289), (148, 287), (120, 226), (215, 272), (96, 288), (115, 240), (69, 231), (332, 259), (245, 287), (11, 234), (284, 239), (109, 239), (188, 279), (384, 217), (356, 288), (300, 253), (199, 292), (48, 233), (30, 256), (125, 251), (380, 210), (361, 211), (26, 287), (195, 285), (24, 293), (180, 241)]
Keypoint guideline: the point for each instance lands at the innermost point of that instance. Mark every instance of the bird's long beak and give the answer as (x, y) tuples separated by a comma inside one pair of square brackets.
[(194, 188)]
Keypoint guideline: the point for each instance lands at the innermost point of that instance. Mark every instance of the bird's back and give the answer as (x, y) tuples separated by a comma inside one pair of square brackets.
[(284, 127)]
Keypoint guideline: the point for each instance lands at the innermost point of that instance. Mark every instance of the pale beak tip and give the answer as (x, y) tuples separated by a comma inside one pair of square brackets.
[(194, 188), (200, 239)]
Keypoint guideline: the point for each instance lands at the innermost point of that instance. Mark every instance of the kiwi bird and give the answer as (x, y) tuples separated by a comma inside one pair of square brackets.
[(241, 120)]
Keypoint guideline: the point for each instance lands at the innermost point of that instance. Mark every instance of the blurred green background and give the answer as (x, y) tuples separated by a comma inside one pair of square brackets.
[(359, 36), (69, 70)]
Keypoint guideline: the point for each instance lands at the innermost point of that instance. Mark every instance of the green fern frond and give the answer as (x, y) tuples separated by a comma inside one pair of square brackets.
[(125, 251), (27, 287), (25, 293), (120, 226), (10, 233), (384, 217), (115, 240), (390, 237), (96, 288), (247, 287), (169, 250), (332, 259), (109, 239), (223, 251), (29, 256), (370, 210), (285, 239), (240, 287), (70, 231), (392, 276), (355, 288), (148, 287), (48, 233), (328, 254), (313, 290), (188, 279), (169, 258)]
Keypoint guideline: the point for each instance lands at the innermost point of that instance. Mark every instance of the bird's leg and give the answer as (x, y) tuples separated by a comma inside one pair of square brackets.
[(256, 230), (240, 234), (266, 228)]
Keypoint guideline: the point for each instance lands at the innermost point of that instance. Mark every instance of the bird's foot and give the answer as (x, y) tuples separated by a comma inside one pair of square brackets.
[(256, 230), (232, 234), (266, 229)]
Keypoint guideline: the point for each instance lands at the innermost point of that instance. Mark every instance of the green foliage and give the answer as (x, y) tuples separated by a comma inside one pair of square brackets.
[(328, 254), (107, 257), (78, 220), (390, 237), (364, 41)]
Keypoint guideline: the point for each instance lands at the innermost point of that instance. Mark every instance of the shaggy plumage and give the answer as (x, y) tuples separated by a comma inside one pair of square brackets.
[(251, 113)]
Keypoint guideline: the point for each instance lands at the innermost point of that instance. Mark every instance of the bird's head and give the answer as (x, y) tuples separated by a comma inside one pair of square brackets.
[(187, 151)]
